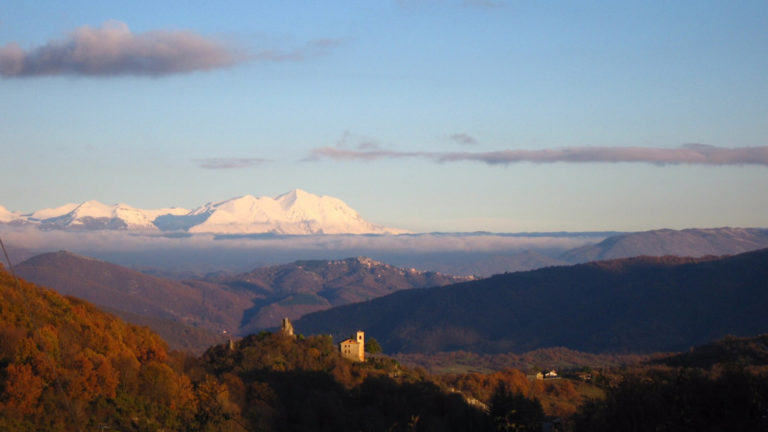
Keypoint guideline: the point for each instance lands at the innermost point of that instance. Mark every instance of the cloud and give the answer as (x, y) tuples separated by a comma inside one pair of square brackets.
[(463, 139), (349, 139), (365, 155), (694, 154), (309, 49), (229, 163), (114, 50)]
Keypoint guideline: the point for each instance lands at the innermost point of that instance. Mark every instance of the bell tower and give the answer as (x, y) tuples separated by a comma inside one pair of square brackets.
[(361, 345)]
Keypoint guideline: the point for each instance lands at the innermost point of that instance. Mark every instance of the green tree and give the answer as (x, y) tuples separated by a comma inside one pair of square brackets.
[(372, 346)]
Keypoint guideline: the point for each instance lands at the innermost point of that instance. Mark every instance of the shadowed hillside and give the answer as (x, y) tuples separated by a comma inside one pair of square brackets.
[(738, 351), (292, 290), (632, 305), (493, 264), (191, 314)]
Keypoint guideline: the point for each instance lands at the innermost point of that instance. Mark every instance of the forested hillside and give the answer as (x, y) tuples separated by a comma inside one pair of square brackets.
[(65, 365), (641, 305), (136, 294), (191, 314), (294, 289)]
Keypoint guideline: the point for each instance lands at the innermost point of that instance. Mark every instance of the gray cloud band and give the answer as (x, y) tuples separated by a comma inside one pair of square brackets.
[(229, 163), (113, 49), (696, 154)]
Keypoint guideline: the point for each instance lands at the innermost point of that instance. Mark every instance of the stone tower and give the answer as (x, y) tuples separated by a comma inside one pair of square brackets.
[(286, 328)]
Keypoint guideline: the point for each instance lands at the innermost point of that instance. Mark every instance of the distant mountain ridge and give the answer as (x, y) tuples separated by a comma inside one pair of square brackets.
[(133, 294), (694, 242), (292, 290), (241, 304), (495, 264), (294, 213), (642, 304), (92, 215)]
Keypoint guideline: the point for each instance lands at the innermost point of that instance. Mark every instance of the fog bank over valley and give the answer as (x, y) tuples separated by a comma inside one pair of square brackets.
[(202, 253)]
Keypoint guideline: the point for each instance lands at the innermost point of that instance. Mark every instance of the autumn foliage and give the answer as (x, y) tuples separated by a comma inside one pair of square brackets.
[(65, 365)]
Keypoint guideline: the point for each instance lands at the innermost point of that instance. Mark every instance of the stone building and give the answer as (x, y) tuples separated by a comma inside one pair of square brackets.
[(354, 349)]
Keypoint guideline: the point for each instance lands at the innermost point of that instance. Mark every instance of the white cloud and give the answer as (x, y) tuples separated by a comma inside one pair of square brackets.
[(229, 163)]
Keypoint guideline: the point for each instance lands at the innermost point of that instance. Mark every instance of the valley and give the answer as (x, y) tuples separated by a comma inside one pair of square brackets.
[(383, 216), (69, 366), (551, 339)]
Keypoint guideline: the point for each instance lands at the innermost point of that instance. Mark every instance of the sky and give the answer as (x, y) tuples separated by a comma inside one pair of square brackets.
[(426, 115)]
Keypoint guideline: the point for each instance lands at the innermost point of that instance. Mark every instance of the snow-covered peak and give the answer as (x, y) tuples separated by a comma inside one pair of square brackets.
[(52, 212), (288, 199), (295, 212), (95, 209), (8, 216), (96, 215)]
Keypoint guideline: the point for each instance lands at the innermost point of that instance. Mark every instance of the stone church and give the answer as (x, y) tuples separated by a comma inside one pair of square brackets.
[(354, 349)]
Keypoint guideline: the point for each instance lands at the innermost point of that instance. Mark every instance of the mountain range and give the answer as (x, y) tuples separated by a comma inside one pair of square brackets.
[(240, 304), (295, 289), (171, 308), (642, 304), (66, 365), (693, 242), (294, 213), (191, 312)]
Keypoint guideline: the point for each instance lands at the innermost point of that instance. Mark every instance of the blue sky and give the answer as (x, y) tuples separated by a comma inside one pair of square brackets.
[(424, 115)]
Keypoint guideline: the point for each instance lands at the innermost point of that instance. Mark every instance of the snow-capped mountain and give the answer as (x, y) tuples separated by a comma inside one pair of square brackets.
[(95, 215), (8, 216), (51, 213), (296, 212)]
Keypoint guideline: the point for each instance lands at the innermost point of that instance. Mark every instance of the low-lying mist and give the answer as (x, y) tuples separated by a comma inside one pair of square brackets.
[(203, 253)]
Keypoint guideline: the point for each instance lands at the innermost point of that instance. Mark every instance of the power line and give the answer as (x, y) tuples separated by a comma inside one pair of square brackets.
[(10, 266)]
